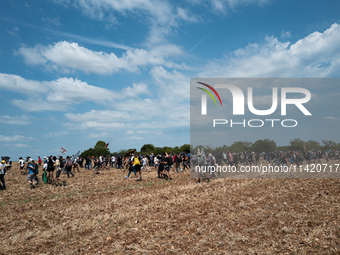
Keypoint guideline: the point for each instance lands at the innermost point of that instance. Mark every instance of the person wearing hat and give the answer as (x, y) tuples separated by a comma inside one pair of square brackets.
[(2, 175)]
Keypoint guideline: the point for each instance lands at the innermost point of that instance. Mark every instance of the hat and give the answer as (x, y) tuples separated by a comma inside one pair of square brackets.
[(210, 155), (198, 154), (3, 161)]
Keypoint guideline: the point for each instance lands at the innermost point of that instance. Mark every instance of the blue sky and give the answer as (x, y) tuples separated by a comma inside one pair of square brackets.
[(75, 72)]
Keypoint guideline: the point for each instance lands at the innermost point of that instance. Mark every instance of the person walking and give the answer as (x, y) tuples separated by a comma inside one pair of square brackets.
[(68, 167), (2, 175)]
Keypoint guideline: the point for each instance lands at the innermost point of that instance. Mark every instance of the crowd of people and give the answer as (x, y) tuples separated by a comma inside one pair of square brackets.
[(132, 162), (275, 158), (52, 167)]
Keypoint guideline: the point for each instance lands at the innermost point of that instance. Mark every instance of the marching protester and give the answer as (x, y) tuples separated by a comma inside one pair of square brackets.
[(68, 167), (136, 163), (145, 163), (2, 175), (165, 166), (31, 173), (97, 166), (131, 166), (178, 161), (58, 171), (21, 163), (50, 170), (76, 164)]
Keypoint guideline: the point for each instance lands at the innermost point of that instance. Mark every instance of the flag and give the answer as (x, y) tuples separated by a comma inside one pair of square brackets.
[(62, 150), (75, 156), (107, 145)]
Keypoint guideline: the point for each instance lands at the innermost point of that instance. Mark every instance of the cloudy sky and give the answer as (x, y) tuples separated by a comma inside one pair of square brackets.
[(75, 72)]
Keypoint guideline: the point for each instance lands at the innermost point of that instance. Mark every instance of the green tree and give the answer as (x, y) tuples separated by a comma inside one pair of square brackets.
[(166, 149), (329, 144), (296, 145), (240, 146), (98, 149), (185, 148), (264, 145), (176, 150), (147, 148), (312, 145)]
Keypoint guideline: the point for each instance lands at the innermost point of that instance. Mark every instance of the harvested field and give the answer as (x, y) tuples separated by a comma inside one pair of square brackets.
[(107, 214)]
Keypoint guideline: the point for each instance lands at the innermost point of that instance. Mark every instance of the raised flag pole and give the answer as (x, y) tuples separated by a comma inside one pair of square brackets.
[(109, 142)]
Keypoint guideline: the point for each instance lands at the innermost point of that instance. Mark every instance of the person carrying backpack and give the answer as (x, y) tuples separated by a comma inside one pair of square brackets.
[(31, 173), (58, 171), (136, 163), (131, 166), (50, 169), (68, 167)]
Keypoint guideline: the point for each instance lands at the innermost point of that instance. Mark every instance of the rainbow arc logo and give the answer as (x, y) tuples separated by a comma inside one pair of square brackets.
[(209, 93)]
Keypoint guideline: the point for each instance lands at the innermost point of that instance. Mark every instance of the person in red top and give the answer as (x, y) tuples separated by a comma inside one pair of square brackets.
[(39, 160)]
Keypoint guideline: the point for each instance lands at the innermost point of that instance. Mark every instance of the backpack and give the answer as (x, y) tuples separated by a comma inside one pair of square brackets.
[(50, 165), (36, 168), (136, 161)]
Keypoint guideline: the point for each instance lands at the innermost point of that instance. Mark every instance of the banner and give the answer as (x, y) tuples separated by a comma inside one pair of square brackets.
[(63, 150)]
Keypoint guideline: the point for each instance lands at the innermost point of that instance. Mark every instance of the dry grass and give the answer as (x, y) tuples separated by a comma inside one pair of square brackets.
[(108, 214)]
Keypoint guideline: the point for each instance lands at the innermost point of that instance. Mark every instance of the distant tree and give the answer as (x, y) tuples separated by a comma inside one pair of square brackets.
[(312, 145), (296, 145), (283, 148), (147, 148), (176, 150), (329, 144), (263, 146), (240, 146), (185, 148), (98, 149), (166, 149), (122, 152)]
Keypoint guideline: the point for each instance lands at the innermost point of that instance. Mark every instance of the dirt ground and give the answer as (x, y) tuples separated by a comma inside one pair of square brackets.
[(108, 214)]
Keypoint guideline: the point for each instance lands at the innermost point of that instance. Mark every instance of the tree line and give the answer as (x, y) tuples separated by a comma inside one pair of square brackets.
[(100, 149), (239, 146), (270, 145)]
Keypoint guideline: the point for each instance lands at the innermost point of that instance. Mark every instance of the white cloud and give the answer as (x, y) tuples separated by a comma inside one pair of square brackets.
[(161, 16), (66, 57), (99, 135), (285, 35), (53, 21), (20, 85), (20, 145), (223, 6), (136, 90), (102, 116), (13, 138), (174, 81), (55, 95), (134, 138), (57, 133), (23, 120), (316, 55), (13, 31)]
